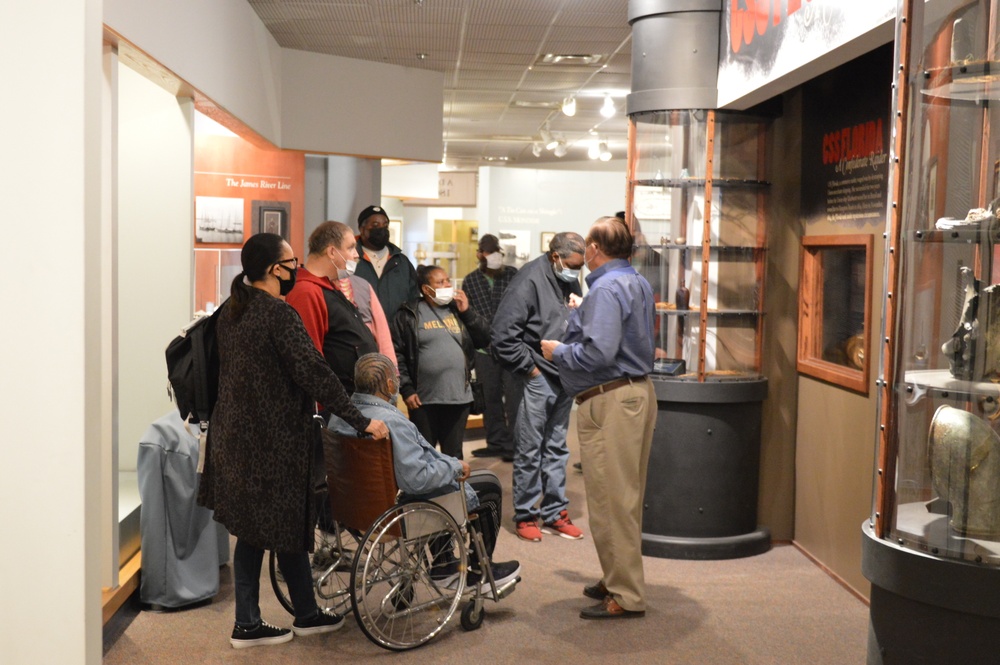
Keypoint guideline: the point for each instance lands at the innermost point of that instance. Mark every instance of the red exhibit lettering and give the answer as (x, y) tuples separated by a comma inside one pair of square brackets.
[(747, 23), (861, 140)]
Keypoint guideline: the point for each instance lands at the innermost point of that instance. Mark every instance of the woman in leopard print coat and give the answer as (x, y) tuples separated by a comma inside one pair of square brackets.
[(257, 475)]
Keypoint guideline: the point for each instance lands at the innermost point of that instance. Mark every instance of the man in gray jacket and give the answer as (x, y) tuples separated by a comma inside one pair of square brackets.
[(536, 306)]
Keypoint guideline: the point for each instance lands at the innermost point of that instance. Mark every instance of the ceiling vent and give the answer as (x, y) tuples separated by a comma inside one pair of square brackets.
[(570, 60), (527, 104)]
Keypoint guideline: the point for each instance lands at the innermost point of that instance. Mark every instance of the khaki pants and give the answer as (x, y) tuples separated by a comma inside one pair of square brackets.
[(616, 432)]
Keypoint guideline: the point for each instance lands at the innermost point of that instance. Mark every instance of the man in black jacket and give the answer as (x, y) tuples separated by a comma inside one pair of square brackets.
[(535, 307), (382, 264)]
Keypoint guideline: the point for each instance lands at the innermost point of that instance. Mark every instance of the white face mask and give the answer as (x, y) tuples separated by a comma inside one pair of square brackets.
[(494, 261), (443, 296), (349, 266)]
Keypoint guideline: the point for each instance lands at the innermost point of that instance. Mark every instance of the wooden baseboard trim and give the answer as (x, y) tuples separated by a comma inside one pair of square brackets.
[(836, 578), (128, 581)]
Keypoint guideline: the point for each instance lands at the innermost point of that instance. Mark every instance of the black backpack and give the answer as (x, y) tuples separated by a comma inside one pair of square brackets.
[(193, 369)]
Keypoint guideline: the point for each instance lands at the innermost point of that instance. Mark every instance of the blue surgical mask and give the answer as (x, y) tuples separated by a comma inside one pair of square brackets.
[(567, 274)]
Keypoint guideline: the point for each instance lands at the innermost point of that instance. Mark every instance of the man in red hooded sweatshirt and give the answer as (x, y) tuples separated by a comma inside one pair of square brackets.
[(340, 311)]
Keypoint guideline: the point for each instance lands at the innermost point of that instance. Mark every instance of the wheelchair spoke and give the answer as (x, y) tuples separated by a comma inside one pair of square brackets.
[(398, 602)]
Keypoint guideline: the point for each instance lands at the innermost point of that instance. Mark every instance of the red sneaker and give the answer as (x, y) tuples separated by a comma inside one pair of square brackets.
[(529, 531), (564, 527)]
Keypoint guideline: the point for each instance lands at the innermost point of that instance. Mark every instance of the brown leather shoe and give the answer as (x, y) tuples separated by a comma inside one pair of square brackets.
[(609, 609), (596, 591)]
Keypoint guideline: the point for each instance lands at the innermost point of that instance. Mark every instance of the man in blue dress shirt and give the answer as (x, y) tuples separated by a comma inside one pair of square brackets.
[(604, 359)]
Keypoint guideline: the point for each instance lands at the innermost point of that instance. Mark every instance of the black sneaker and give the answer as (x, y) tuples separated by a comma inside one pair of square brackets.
[(488, 451), (260, 635), (503, 572), (321, 622)]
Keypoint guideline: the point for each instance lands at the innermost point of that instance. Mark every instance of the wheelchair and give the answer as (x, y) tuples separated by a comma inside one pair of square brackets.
[(402, 568)]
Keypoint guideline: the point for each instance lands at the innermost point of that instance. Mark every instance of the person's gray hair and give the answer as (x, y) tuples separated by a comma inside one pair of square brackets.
[(567, 243), (372, 373)]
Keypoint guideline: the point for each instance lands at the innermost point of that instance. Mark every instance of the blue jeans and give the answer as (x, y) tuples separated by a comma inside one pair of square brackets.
[(295, 568), (540, 453), (503, 395)]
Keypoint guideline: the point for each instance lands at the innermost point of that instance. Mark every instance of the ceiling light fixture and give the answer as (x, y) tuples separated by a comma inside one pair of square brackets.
[(605, 153), (608, 109), (594, 151), (569, 106), (560, 149), (547, 138), (536, 149)]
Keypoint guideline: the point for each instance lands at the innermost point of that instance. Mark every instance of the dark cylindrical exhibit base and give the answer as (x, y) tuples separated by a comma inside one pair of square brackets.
[(925, 609), (702, 482)]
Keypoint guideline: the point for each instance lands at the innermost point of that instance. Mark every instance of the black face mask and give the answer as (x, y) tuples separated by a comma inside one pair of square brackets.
[(378, 238), (285, 286)]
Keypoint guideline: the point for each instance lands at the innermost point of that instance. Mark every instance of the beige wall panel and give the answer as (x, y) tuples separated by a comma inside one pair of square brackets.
[(835, 448), (777, 464)]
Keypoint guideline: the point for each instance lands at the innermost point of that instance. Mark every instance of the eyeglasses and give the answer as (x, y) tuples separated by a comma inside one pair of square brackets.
[(295, 262)]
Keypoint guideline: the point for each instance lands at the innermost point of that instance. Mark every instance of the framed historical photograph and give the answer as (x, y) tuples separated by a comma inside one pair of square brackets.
[(218, 219), (547, 237), (272, 217)]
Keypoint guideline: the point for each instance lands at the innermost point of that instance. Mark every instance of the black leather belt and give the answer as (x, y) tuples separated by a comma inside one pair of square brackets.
[(605, 387)]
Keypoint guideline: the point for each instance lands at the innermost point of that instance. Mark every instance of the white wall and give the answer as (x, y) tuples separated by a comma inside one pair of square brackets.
[(219, 47), (540, 200), (353, 107), (296, 100), (50, 343), (352, 185), (155, 253)]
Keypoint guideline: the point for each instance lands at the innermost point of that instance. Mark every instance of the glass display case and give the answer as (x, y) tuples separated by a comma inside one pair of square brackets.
[(931, 547), (695, 202), (946, 376), (696, 193)]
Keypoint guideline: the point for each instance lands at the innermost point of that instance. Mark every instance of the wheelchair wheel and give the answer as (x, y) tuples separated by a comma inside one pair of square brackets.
[(409, 575), (331, 560), (471, 619)]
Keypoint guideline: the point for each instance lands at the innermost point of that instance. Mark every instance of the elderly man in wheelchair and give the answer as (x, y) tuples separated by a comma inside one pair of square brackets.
[(413, 565)]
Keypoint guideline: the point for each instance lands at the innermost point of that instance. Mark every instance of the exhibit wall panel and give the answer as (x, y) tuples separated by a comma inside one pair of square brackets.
[(155, 218), (518, 205)]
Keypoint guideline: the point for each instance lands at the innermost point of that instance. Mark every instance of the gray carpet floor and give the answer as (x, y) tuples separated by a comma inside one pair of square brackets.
[(775, 608)]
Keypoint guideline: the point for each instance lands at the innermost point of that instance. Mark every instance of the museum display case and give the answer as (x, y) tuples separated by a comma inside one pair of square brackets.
[(932, 546), (696, 204), (696, 197)]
